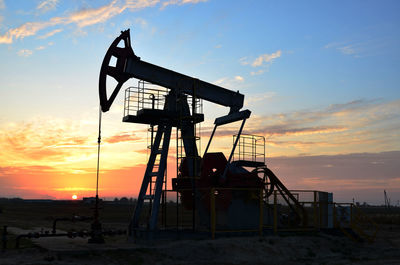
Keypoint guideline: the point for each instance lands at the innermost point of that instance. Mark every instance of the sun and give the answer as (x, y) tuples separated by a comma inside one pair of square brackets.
[(74, 197)]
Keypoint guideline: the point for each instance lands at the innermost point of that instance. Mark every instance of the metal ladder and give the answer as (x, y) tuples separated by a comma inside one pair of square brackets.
[(152, 187), (152, 171)]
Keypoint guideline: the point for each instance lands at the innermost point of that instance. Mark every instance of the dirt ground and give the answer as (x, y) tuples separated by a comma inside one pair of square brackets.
[(311, 248), (318, 248)]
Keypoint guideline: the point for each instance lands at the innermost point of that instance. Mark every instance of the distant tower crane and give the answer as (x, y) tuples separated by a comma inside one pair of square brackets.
[(196, 172)]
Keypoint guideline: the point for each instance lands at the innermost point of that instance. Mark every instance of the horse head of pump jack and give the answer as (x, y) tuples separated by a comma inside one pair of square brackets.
[(117, 71)]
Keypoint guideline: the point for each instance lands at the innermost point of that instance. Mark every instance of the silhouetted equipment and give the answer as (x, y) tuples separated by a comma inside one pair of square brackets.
[(70, 234), (74, 218), (176, 104), (387, 199)]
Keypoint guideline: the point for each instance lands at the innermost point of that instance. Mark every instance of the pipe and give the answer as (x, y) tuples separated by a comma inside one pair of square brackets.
[(75, 218)]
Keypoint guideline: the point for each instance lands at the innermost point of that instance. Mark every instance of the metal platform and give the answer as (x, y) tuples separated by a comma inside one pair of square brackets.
[(155, 116), (246, 163), (250, 151)]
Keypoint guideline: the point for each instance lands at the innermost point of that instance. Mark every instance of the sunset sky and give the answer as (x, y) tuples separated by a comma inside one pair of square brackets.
[(320, 77)]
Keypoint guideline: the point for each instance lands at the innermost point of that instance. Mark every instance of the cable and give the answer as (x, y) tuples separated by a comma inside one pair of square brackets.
[(98, 154), (96, 233)]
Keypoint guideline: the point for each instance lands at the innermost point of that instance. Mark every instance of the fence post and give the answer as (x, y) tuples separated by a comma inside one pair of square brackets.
[(212, 212), (315, 210), (261, 213), (351, 215), (275, 225), (4, 238), (334, 215)]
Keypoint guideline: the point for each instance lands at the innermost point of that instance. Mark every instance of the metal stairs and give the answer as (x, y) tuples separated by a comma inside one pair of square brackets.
[(154, 174)]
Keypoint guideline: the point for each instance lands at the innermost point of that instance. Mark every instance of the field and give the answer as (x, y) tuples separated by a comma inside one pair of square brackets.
[(306, 248)]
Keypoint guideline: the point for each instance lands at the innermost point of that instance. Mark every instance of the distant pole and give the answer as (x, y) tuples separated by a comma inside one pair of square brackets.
[(387, 200)]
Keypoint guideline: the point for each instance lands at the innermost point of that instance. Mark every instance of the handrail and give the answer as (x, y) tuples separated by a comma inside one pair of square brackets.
[(357, 219)]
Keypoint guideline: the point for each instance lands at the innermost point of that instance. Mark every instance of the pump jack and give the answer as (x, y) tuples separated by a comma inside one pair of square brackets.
[(213, 169)]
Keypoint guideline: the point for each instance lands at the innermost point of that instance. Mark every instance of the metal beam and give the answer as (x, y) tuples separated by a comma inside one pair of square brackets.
[(237, 116), (176, 81)]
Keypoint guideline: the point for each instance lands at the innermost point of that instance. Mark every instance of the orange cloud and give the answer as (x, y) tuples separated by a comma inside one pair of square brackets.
[(266, 58), (49, 157), (50, 33), (81, 18), (124, 137), (29, 143)]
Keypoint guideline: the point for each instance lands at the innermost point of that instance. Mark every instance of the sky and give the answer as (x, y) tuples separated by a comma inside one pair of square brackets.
[(320, 77)]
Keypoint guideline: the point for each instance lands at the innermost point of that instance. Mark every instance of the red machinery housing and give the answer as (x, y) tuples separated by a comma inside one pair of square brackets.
[(239, 185)]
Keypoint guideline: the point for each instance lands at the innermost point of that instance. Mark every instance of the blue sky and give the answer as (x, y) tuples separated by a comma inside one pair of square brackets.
[(330, 52), (321, 77)]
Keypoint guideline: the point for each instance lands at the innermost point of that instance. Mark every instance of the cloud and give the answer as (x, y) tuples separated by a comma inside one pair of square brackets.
[(87, 17), (38, 181), (40, 48), (349, 50), (360, 125), (49, 34), (25, 52), (356, 126), (258, 98), (140, 21), (46, 6), (358, 49), (263, 61), (72, 145), (91, 16), (354, 175), (74, 189), (2, 4), (27, 29), (230, 82), (6, 38), (258, 72), (180, 2), (82, 18), (123, 137), (41, 143), (344, 48), (244, 61), (283, 130), (266, 58), (239, 78)]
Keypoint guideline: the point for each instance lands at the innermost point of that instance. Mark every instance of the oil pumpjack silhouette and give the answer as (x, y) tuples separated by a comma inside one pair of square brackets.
[(238, 182)]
